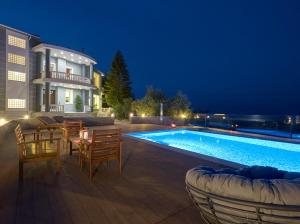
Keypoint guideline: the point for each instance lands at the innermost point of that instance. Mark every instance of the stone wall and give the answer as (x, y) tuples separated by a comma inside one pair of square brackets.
[(156, 120)]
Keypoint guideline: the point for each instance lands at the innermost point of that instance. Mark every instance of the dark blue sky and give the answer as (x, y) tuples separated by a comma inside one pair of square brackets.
[(227, 56)]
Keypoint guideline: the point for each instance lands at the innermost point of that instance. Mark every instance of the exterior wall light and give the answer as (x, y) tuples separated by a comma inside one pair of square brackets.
[(112, 115), (2, 121), (131, 115)]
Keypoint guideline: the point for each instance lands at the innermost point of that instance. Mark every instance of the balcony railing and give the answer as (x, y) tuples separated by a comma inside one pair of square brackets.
[(53, 108), (69, 77)]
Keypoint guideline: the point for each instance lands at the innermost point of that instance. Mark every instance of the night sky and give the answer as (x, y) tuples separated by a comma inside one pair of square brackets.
[(227, 56)]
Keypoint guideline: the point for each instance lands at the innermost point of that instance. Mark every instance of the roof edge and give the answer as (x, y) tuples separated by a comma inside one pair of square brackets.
[(64, 49), (19, 31)]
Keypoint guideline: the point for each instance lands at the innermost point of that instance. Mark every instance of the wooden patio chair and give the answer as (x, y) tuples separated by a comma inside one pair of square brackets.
[(49, 124), (71, 129), (33, 147), (105, 145)]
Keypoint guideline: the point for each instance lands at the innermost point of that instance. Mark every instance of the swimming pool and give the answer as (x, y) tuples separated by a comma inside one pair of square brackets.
[(242, 150)]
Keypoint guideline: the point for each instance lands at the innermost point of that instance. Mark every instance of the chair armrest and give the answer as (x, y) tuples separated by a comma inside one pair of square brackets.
[(40, 140), (34, 134), (31, 133)]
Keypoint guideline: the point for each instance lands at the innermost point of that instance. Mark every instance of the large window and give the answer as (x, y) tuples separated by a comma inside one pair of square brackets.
[(16, 76), (16, 59), (17, 42), (96, 99), (69, 96), (16, 103), (97, 80)]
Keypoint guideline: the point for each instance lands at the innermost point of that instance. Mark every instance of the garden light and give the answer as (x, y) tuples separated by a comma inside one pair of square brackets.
[(2, 121)]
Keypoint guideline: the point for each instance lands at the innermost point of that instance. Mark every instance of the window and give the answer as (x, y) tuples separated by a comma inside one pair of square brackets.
[(16, 59), (69, 71), (96, 100), (17, 42), (16, 103), (16, 76), (97, 80), (52, 67), (69, 96)]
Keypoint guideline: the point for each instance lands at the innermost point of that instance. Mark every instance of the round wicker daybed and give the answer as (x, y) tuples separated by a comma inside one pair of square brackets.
[(247, 195)]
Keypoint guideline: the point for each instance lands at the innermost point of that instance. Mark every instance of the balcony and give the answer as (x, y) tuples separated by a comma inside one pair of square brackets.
[(53, 108), (69, 77), (66, 80)]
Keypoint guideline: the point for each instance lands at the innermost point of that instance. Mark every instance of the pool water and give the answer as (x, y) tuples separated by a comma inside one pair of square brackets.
[(242, 150)]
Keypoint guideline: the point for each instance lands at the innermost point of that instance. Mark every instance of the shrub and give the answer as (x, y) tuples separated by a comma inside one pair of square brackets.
[(78, 103), (179, 106), (122, 110), (150, 104)]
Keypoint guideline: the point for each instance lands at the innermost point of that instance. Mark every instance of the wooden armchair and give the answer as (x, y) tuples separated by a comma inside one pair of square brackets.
[(33, 147), (71, 129), (104, 146)]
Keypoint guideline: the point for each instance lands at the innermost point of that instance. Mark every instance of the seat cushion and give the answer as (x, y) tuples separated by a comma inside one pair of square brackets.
[(257, 184)]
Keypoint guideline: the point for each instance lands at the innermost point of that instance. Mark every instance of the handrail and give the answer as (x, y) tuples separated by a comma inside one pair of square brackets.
[(53, 108), (69, 76)]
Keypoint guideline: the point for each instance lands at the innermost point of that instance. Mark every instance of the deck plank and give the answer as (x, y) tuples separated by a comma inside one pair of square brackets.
[(151, 188)]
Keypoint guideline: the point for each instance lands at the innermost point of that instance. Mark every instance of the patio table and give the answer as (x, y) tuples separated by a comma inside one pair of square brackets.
[(81, 143)]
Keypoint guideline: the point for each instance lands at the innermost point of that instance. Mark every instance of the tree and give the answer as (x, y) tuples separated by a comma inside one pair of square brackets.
[(179, 106), (117, 87), (78, 103), (150, 104)]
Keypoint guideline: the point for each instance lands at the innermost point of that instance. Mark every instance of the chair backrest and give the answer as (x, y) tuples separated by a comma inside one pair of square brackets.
[(72, 128), (19, 134), (105, 141), (46, 120)]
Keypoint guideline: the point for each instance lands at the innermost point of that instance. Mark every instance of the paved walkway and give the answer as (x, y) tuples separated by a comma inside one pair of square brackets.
[(151, 188)]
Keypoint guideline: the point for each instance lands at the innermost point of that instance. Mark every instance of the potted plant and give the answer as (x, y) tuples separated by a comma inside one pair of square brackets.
[(78, 103)]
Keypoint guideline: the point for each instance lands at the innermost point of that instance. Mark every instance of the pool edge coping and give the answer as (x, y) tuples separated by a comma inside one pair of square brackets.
[(188, 153)]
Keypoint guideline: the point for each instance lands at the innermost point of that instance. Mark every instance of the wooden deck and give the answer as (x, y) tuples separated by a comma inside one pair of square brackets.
[(151, 188)]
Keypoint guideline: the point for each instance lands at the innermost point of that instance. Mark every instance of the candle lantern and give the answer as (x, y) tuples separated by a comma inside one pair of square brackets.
[(85, 135), (81, 134)]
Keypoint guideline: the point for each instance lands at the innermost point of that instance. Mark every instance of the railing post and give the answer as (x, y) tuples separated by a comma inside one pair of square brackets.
[(47, 84)]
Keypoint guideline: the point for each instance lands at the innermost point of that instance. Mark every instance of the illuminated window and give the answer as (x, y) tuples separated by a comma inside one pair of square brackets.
[(97, 80), (17, 42), (16, 59), (69, 96), (16, 76), (96, 99), (16, 103)]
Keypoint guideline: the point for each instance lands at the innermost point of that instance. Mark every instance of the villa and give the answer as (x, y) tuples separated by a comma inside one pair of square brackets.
[(85, 167), (41, 77)]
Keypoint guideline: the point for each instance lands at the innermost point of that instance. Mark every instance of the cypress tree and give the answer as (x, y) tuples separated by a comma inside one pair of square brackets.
[(117, 86)]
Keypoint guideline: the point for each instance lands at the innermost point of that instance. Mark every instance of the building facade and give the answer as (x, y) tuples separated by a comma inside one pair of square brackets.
[(37, 77), (97, 93)]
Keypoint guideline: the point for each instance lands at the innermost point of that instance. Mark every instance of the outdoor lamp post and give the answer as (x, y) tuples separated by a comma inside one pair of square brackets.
[(161, 111), (291, 122)]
